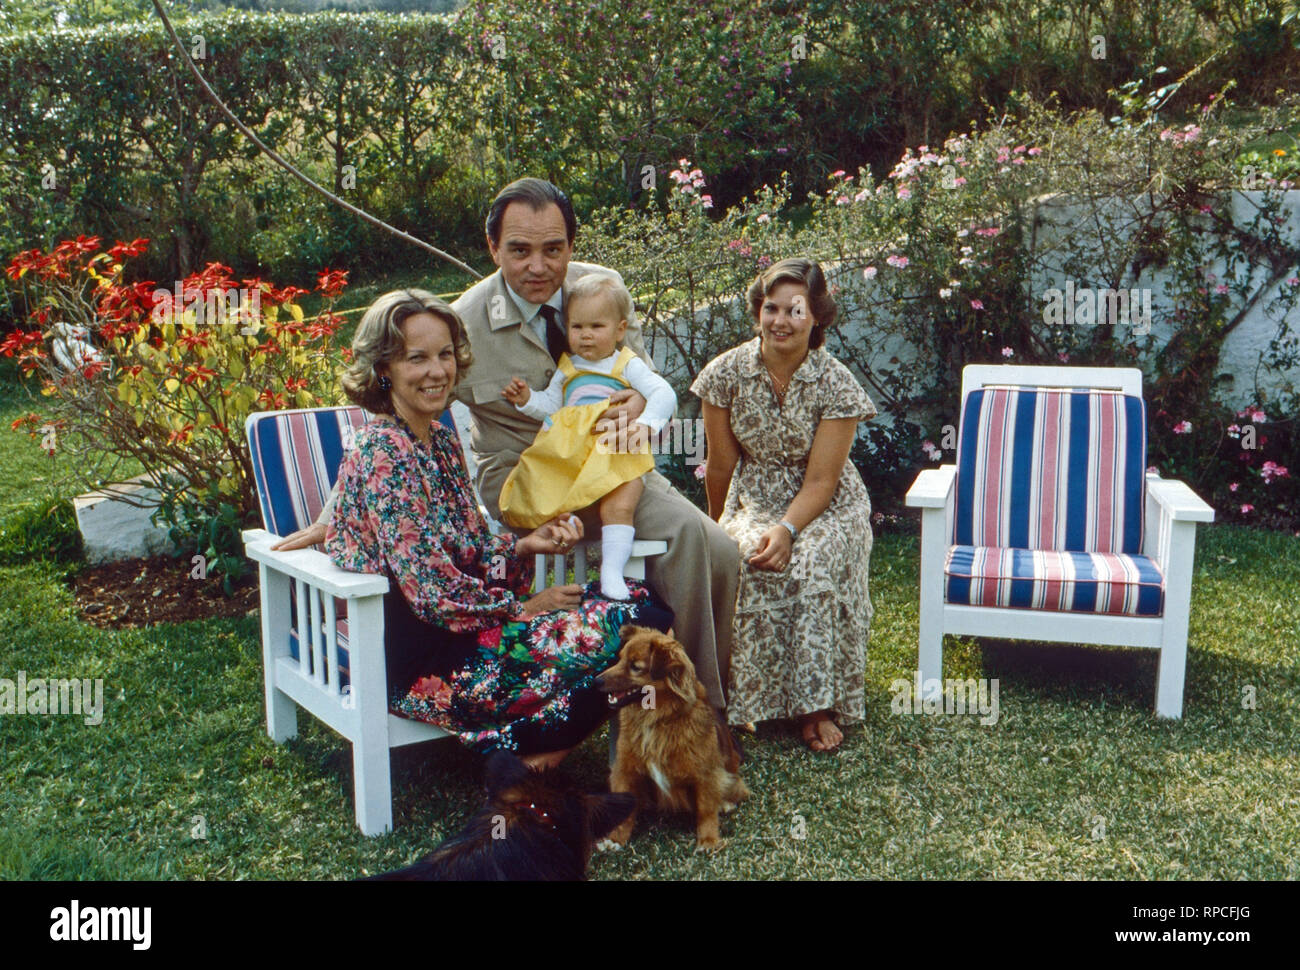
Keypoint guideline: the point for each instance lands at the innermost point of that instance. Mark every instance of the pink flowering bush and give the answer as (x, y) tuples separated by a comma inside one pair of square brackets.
[(943, 253)]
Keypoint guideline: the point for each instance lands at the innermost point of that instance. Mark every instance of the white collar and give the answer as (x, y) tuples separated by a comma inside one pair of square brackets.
[(530, 310)]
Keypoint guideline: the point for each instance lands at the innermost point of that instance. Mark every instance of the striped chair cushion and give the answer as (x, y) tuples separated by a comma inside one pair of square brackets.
[(296, 456), (1049, 469), (1078, 582)]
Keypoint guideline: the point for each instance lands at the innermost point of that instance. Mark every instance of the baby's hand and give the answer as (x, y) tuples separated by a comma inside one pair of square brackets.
[(517, 392)]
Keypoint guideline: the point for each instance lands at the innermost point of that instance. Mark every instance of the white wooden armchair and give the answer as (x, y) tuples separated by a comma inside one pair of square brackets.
[(336, 672), (1049, 527)]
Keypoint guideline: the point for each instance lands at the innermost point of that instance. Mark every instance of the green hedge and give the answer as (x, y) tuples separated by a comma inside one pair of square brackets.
[(435, 112)]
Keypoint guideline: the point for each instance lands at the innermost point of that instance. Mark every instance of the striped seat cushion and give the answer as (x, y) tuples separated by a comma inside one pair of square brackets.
[(1077, 582), (341, 628), (1051, 469)]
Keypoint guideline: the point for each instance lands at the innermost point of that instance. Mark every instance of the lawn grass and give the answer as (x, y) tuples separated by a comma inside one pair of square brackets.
[(182, 751)]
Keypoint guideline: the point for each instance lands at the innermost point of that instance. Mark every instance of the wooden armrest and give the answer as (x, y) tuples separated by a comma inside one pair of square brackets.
[(932, 487), (311, 566), (1177, 500)]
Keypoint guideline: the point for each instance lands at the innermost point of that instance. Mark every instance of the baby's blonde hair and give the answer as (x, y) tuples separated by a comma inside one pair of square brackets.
[(603, 284)]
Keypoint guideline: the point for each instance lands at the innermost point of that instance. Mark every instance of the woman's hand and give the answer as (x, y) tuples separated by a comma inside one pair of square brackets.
[(775, 547), (557, 536), (310, 536), (554, 598)]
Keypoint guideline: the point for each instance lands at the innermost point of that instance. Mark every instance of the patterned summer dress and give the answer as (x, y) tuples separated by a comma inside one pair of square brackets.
[(460, 654), (800, 635)]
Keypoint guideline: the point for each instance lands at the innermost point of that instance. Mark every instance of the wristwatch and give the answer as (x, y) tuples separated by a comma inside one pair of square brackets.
[(794, 533)]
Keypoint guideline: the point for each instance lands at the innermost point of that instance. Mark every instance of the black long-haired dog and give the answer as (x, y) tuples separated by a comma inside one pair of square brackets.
[(536, 825)]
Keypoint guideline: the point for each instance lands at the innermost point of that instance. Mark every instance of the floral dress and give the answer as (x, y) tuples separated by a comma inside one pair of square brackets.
[(460, 653), (799, 637)]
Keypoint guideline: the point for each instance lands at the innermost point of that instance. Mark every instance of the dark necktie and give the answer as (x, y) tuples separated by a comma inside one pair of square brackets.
[(556, 343)]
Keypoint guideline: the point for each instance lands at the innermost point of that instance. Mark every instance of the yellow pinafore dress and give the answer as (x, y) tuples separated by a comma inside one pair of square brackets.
[(565, 468)]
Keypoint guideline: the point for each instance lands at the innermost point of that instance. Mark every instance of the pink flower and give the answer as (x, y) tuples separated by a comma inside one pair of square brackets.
[(1220, 289), (1063, 357), (899, 262), (977, 304), (1247, 508), (904, 192), (764, 218), (1272, 470), (701, 470), (1182, 427), (989, 233), (869, 273), (1035, 151), (707, 201), (959, 180), (842, 200), (837, 174), (1008, 352), (1234, 486), (1293, 281)]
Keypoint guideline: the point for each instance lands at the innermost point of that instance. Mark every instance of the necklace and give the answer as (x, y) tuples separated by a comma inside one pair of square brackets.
[(778, 385)]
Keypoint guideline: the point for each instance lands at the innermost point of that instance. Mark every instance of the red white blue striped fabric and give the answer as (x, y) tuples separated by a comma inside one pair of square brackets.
[(296, 457), (1051, 470), (1078, 582)]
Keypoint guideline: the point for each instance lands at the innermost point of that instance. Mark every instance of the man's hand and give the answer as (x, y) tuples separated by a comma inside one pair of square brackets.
[(517, 392), (312, 535), (554, 598)]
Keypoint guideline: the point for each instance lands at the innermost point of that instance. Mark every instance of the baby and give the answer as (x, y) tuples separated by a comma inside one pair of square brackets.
[(595, 367)]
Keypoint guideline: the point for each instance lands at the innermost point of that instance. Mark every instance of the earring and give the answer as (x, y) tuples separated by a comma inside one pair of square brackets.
[(385, 383)]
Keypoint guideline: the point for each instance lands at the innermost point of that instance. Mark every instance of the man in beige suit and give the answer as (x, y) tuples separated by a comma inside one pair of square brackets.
[(515, 323)]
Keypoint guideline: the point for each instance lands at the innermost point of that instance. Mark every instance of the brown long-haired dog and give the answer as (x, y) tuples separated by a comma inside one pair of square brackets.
[(673, 749)]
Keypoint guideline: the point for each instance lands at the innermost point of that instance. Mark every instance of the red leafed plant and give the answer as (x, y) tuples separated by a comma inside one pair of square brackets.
[(140, 377)]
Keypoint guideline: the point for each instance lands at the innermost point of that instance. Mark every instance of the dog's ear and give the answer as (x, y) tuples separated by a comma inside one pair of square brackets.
[(504, 771), (671, 664), (628, 631), (606, 812)]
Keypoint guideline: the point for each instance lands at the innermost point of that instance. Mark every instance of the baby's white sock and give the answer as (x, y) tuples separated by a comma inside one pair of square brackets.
[(615, 551)]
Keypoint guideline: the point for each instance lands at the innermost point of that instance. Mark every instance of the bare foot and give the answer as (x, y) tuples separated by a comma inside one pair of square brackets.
[(820, 733), (548, 759)]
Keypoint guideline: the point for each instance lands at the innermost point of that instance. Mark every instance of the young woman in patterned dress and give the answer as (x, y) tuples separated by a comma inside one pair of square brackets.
[(780, 416), (466, 647)]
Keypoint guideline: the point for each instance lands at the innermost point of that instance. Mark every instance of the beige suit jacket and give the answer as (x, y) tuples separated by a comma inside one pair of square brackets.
[(504, 347)]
